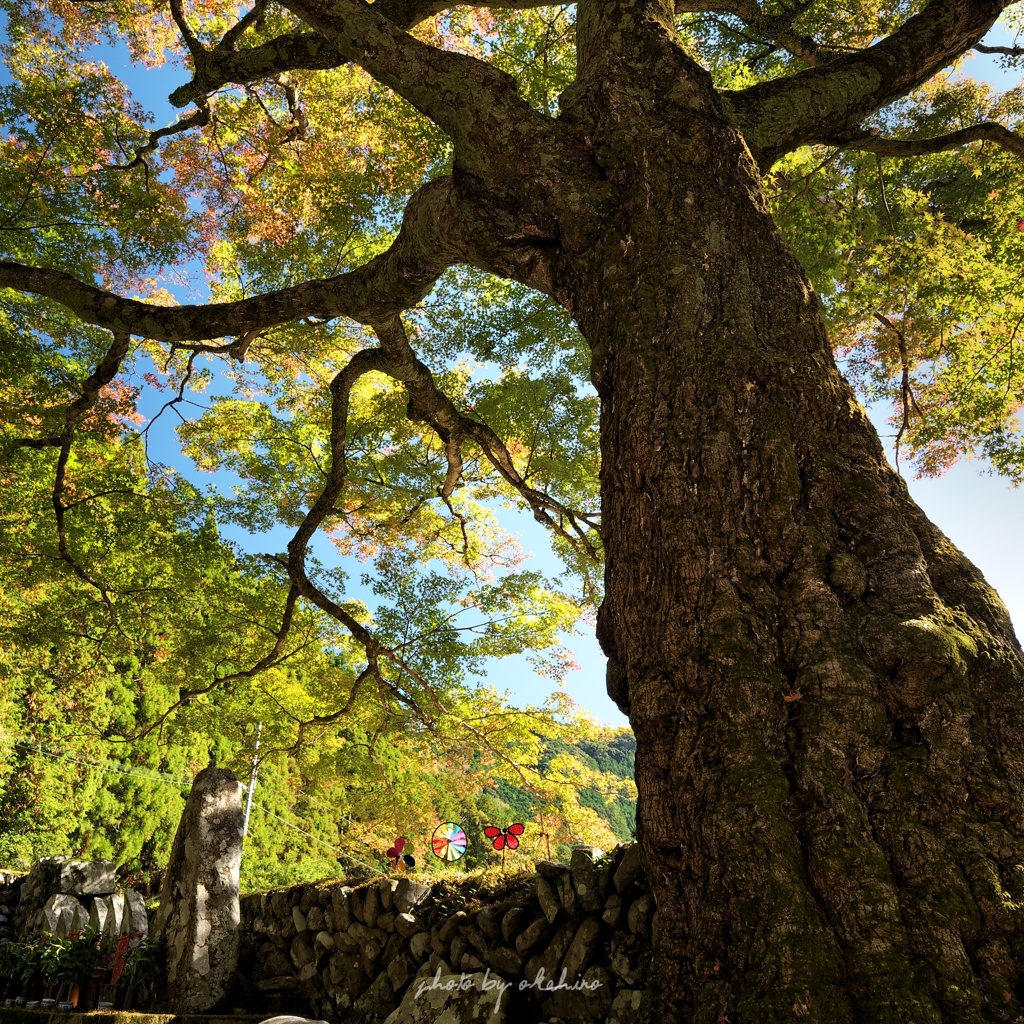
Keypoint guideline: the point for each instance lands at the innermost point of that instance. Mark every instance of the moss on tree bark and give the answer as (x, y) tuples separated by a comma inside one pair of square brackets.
[(826, 695)]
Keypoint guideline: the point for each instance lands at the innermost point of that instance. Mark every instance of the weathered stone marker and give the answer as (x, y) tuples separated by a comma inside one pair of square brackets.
[(199, 897)]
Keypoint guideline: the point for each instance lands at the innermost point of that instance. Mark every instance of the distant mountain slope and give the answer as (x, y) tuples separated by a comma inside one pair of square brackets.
[(612, 752)]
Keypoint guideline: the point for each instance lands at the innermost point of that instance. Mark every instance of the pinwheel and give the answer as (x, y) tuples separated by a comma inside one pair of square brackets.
[(505, 838), (398, 858), (449, 841)]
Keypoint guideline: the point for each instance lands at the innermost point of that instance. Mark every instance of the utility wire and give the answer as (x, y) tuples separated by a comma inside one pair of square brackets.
[(317, 839), (171, 780), (103, 766)]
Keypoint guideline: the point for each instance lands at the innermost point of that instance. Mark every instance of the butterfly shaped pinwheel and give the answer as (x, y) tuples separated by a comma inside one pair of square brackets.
[(502, 838)]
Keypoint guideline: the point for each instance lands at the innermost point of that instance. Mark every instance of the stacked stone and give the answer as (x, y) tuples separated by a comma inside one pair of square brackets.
[(347, 951), (351, 954), (10, 895), (62, 896)]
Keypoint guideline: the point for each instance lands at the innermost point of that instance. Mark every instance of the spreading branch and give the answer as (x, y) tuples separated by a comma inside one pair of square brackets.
[(1008, 51), (87, 398), (389, 283), (199, 118), (988, 131), (428, 404), (907, 397), (298, 51), (372, 670), (295, 563), (473, 102), (254, 16), (826, 102)]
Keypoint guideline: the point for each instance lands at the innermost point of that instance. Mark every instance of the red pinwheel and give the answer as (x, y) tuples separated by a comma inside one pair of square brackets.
[(398, 858), (505, 837)]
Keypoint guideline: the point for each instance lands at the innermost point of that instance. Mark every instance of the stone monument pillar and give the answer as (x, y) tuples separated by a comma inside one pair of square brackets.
[(199, 911)]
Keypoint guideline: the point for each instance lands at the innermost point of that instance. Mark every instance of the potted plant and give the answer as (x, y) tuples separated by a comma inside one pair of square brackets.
[(29, 971), (51, 963), (145, 973), (94, 981), (9, 955), (82, 959), (106, 989)]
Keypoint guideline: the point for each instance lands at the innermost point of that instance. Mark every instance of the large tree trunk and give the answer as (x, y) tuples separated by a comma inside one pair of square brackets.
[(826, 695)]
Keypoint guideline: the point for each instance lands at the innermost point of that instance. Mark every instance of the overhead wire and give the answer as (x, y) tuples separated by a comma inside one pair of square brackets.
[(317, 839), (104, 766), (171, 780)]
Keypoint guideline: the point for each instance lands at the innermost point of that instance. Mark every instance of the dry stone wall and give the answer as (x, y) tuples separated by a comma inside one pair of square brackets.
[(571, 943)]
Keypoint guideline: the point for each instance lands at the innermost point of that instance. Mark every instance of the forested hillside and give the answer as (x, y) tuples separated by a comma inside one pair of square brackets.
[(123, 671), (316, 813)]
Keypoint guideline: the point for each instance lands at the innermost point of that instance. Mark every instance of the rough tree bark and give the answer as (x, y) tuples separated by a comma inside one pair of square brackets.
[(827, 697)]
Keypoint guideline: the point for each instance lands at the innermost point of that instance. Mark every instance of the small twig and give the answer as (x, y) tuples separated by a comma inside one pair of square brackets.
[(885, 197), (372, 669), (907, 393), (273, 657)]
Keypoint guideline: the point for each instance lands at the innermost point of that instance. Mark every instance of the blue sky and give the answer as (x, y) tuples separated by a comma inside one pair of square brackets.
[(980, 513)]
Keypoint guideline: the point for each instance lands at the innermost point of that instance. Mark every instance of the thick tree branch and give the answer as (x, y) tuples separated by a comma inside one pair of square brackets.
[(989, 131), (473, 102), (822, 103), (389, 283), (195, 47), (299, 50), (296, 51), (253, 16)]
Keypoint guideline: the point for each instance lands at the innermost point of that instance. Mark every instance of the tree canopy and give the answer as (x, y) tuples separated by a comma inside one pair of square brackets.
[(119, 681), (383, 209)]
